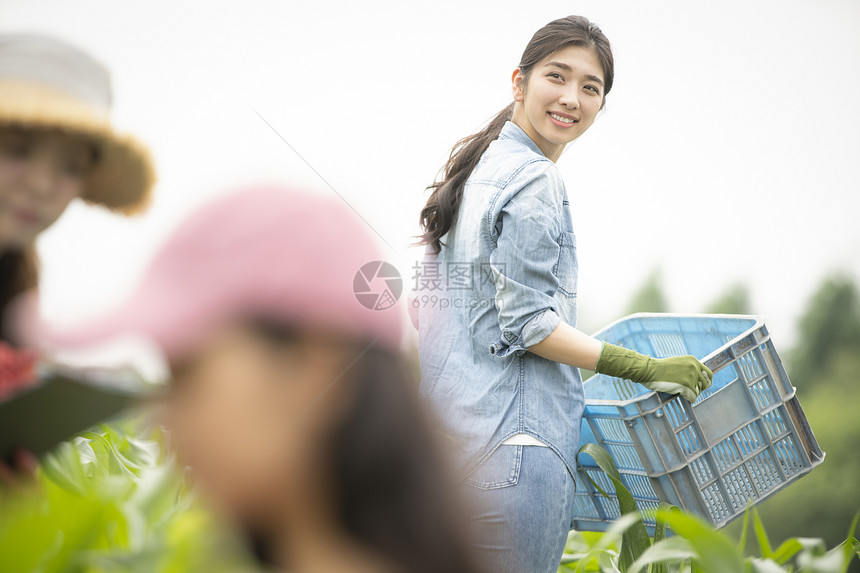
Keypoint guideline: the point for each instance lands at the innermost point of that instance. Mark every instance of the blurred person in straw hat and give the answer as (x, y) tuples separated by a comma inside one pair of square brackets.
[(56, 145), (289, 397)]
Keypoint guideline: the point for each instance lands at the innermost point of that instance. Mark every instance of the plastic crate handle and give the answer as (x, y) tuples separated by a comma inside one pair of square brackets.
[(728, 355), (719, 361)]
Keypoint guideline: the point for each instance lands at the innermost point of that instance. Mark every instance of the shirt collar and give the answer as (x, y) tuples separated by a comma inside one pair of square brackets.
[(512, 131)]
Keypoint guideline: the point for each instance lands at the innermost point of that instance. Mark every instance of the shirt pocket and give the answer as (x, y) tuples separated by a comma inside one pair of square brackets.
[(501, 469), (566, 269)]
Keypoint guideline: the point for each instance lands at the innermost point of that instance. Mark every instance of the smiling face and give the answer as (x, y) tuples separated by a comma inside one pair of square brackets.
[(559, 99), (40, 173)]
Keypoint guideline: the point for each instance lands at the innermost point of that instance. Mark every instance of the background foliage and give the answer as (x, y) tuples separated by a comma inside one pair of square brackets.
[(824, 366), (113, 499)]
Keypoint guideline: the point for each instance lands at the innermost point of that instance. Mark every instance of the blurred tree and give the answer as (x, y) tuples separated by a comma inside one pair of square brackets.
[(830, 324), (823, 503), (649, 297), (824, 367), (736, 300)]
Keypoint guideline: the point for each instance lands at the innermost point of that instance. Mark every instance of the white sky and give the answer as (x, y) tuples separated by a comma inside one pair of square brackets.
[(728, 150)]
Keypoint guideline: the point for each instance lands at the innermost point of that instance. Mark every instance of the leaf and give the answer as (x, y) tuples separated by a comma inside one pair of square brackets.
[(579, 543), (761, 535), (155, 495), (765, 566), (607, 563), (849, 548), (635, 539), (830, 562), (63, 466), (109, 502), (715, 552), (117, 462), (671, 549), (660, 535), (85, 450), (786, 551), (853, 527), (617, 530), (812, 545), (742, 543), (592, 561), (142, 452)]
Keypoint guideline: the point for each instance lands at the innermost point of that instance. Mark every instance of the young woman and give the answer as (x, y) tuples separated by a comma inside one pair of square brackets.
[(289, 399), (56, 145), (496, 304)]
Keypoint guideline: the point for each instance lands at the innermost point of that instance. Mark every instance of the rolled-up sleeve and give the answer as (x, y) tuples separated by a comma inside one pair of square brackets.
[(524, 261)]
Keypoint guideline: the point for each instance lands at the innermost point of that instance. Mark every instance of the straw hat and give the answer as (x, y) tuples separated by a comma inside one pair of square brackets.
[(46, 83)]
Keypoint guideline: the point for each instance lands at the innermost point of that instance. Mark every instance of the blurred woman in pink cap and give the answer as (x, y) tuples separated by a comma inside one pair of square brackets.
[(289, 398)]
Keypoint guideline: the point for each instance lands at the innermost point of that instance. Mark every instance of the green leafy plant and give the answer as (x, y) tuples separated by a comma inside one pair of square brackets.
[(113, 499), (109, 501), (695, 545)]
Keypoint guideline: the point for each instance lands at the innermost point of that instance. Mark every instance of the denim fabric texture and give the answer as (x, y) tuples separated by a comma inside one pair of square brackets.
[(523, 508)]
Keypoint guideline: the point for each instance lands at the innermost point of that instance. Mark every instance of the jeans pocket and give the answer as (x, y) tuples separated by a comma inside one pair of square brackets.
[(501, 469), (567, 268)]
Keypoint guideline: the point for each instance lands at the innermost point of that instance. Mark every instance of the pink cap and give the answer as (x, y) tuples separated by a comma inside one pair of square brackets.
[(262, 252)]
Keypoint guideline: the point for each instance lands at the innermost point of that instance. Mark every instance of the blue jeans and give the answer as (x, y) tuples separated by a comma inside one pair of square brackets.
[(523, 509)]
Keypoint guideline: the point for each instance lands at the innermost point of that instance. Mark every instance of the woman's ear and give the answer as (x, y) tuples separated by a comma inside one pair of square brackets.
[(518, 85)]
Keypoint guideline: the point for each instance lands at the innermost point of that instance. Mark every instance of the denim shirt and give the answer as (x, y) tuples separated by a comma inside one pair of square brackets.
[(504, 279)]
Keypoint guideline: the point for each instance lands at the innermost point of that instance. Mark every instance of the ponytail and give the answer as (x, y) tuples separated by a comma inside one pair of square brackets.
[(438, 214)]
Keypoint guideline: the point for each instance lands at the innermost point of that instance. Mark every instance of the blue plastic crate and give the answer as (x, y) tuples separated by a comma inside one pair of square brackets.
[(743, 439)]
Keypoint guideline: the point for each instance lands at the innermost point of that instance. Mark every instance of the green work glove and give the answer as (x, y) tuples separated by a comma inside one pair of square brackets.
[(682, 375)]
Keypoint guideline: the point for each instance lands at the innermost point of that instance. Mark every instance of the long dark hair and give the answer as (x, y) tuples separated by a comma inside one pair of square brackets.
[(439, 213), (392, 489), (18, 273), (394, 493)]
